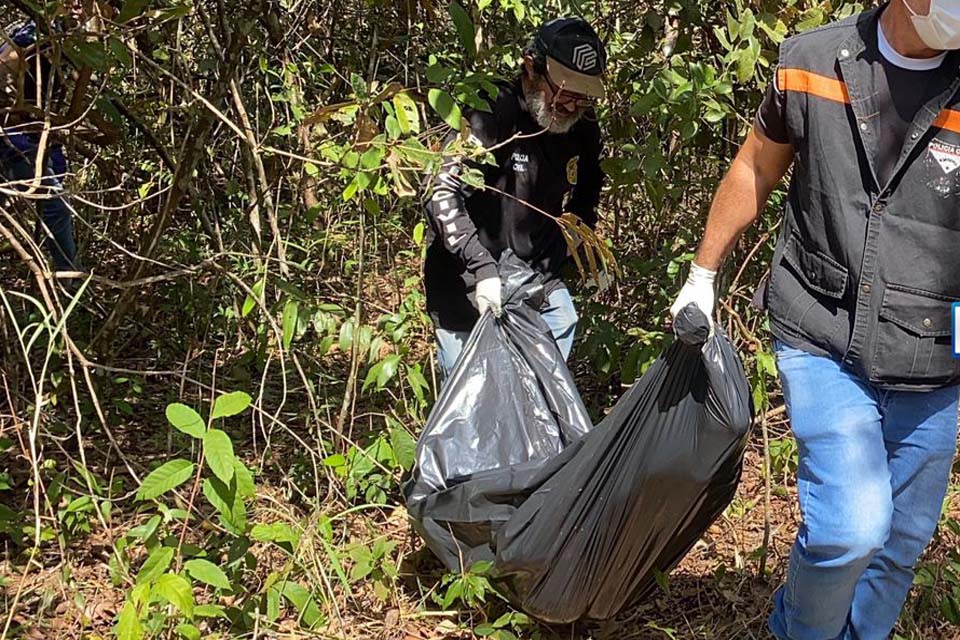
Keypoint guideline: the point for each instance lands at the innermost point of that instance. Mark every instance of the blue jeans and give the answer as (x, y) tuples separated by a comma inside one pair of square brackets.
[(55, 218), (560, 315), (874, 467)]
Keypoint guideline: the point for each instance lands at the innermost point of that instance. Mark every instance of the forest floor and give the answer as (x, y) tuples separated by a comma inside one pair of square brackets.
[(717, 592), (721, 590)]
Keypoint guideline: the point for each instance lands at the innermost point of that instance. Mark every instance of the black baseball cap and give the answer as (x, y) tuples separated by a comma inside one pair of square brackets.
[(576, 57)]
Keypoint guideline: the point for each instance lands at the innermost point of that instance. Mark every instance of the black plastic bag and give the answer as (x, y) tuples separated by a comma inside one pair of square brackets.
[(577, 522)]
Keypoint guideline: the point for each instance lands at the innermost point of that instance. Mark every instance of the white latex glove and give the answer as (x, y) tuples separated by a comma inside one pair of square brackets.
[(698, 290), (488, 296), (603, 281)]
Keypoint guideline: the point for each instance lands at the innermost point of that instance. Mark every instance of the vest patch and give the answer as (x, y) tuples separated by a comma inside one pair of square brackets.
[(520, 161), (572, 169), (946, 155)]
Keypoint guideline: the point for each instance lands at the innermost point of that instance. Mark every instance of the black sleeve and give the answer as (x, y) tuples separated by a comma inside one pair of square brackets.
[(586, 192), (771, 118), (446, 207)]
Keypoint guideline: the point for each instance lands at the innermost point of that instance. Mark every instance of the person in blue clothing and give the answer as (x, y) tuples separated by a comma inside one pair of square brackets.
[(20, 142), (866, 111)]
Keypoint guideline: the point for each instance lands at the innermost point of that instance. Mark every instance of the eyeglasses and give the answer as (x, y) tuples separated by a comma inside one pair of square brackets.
[(579, 100)]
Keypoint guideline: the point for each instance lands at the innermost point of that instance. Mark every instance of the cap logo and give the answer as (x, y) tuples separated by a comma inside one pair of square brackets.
[(584, 57)]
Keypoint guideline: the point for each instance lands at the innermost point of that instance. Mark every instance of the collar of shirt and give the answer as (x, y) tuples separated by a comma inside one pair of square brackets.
[(897, 59)]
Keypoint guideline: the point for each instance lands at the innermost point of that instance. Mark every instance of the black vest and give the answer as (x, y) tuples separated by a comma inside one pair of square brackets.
[(865, 272)]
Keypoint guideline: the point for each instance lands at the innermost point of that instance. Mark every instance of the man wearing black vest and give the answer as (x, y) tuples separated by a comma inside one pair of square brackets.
[(865, 271), (545, 142)]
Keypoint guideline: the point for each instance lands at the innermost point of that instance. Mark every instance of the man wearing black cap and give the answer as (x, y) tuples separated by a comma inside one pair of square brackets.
[(543, 135)]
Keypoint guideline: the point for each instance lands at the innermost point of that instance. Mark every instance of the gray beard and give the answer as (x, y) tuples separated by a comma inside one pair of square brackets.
[(546, 117)]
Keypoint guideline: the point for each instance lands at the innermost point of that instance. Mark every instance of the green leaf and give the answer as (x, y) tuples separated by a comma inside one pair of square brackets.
[(359, 85), (336, 460), (372, 376), (473, 177), (273, 604), (218, 451), (809, 19), (228, 503), (290, 312), (304, 602), (325, 527), (156, 563), (481, 567), (145, 530), (759, 395), (275, 532), (404, 447), (176, 590), (388, 369), (733, 27), (443, 104), (164, 478), (230, 404), (721, 36), (188, 631), (418, 384), (128, 624), (88, 53), (76, 505), (218, 494), (346, 335), (744, 65), (408, 116), (351, 190), (414, 151), (363, 180), (361, 569), (454, 591), (418, 234), (392, 127), (140, 595), (132, 9), (185, 419), (748, 24), (950, 609), (249, 302), (767, 363), (245, 484), (465, 28), (210, 611), (370, 160), (207, 573)]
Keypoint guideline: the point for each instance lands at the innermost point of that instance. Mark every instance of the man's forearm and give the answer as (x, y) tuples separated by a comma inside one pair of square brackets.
[(741, 197), (734, 208)]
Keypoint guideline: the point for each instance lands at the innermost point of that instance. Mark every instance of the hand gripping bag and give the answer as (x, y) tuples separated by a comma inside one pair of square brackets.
[(577, 521)]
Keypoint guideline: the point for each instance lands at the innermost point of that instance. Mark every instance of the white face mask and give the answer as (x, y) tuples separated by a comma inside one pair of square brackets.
[(940, 29)]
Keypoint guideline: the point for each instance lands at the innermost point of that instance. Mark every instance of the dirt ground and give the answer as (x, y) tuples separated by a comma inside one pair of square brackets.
[(721, 590)]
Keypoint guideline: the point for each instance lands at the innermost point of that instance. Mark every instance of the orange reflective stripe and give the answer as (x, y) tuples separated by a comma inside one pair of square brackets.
[(949, 120), (812, 83)]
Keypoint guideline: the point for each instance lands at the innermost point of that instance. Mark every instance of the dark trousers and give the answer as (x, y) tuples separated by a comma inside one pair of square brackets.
[(55, 220)]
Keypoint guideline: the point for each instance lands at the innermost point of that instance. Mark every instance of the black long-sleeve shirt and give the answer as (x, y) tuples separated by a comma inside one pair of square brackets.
[(534, 172)]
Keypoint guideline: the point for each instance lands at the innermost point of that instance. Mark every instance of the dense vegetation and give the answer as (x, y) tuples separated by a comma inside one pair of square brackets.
[(209, 438)]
